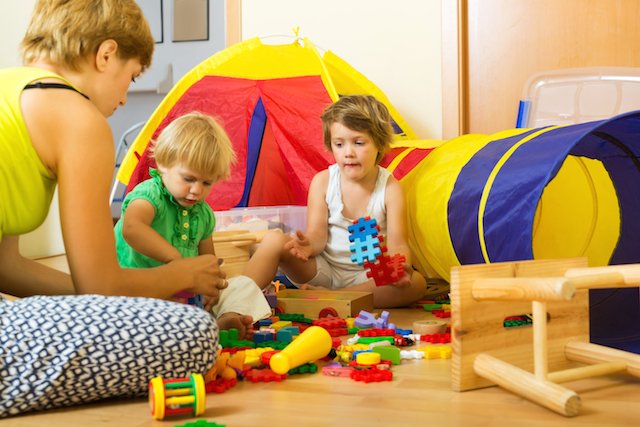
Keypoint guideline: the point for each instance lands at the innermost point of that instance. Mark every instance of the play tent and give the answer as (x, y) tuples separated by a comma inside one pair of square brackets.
[(269, 98)]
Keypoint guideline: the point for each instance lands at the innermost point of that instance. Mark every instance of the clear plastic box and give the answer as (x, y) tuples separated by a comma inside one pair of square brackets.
[(578, 95), (287, 218)]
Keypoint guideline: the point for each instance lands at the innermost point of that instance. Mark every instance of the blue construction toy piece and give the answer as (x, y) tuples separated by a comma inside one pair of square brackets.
[(362, 228), (365, 250), (196, 300)]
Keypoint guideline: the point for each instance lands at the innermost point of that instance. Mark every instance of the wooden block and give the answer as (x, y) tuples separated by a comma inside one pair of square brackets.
[(310, 302)]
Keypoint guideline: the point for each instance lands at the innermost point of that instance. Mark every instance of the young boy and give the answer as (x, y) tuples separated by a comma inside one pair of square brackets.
[(357, 131)]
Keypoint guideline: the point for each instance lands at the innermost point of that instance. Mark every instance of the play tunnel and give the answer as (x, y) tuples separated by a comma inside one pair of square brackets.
[(558, 191), (553, 192)]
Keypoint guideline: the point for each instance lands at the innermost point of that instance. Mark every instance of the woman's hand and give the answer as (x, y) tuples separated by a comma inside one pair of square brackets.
[(202, 275)]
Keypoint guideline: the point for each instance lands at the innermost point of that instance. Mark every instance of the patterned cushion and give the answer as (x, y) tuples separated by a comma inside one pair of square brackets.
[(66, 350)]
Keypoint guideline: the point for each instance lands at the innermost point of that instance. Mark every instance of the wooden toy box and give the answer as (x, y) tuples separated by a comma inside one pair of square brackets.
[(310, 302)]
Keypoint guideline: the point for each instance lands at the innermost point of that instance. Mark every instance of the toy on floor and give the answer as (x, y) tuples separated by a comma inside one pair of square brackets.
[(200, 423), (190, 298), (314, 343), (368, 251), (177, 396), (556, 292)]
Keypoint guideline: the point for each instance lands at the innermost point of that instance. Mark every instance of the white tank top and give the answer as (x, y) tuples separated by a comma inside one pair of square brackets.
[(336, 251)]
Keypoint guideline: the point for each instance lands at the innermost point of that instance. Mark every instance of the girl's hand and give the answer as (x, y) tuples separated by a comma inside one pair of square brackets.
[(299, 246)]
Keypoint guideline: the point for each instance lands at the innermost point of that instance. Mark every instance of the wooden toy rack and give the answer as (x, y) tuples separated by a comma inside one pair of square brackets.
[(531, 361)]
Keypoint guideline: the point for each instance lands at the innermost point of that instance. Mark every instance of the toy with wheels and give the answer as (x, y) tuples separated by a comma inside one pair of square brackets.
[(177, 396)]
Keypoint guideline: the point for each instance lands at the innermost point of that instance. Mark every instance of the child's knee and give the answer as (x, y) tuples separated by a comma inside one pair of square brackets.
[(274, 240)]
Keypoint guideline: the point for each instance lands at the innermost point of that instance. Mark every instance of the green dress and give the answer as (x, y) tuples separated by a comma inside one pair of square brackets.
[(182, 227)]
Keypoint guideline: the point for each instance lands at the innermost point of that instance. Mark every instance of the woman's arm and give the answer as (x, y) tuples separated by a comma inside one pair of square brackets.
[(137, 231), (75, 143), (23, 277)]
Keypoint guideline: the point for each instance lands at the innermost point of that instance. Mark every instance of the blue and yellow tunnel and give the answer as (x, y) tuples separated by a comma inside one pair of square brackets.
[(525, 194)]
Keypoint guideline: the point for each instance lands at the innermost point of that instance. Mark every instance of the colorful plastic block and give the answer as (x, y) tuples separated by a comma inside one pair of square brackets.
[(363, 227), (389, 352), (371, 375), (387, 269), (220, 385), (200, 423), (365, 250), (264, 376)]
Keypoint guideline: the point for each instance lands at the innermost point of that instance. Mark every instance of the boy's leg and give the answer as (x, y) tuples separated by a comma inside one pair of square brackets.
[(241, 322), (68, 350), (263, 263), (392, 296), (270, 254), (240, 304)]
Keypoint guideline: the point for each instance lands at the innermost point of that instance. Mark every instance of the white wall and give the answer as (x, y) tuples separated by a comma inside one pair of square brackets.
[(395, 44), (12, 27)]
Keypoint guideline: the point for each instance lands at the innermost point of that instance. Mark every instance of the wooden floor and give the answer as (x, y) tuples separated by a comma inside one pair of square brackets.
[(419, 395)]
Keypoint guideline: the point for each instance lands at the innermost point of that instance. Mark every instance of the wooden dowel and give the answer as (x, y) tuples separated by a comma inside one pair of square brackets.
[(586, 372), (525, 384), (539, 311), (523, 289), (614, 279), (630, 274), (589, 353)]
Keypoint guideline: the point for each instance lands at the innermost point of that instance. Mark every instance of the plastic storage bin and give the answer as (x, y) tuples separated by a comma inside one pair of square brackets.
[(287, 218), (578, 95)]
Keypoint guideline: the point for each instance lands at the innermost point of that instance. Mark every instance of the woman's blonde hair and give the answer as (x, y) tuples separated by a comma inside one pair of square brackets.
[(198, 142), (67, 31), (362, 113)]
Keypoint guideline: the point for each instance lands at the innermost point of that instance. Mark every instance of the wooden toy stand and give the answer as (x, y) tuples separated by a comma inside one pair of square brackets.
[(234, 247), (531, 361)]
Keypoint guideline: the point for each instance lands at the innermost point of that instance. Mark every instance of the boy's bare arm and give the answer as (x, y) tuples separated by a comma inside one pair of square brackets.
[(396, 238), (206, 247), (317, 213)]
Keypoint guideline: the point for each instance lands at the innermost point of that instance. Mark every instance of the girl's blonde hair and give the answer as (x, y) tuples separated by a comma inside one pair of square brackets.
[(67, 31), (195, 141), (362, 113)]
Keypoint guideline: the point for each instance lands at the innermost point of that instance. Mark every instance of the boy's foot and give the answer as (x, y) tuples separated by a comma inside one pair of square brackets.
[(241, 322)]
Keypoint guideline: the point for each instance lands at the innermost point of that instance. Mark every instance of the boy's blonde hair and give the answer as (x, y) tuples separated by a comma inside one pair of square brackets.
[(67, 31), (362, 113), (198, 142)]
